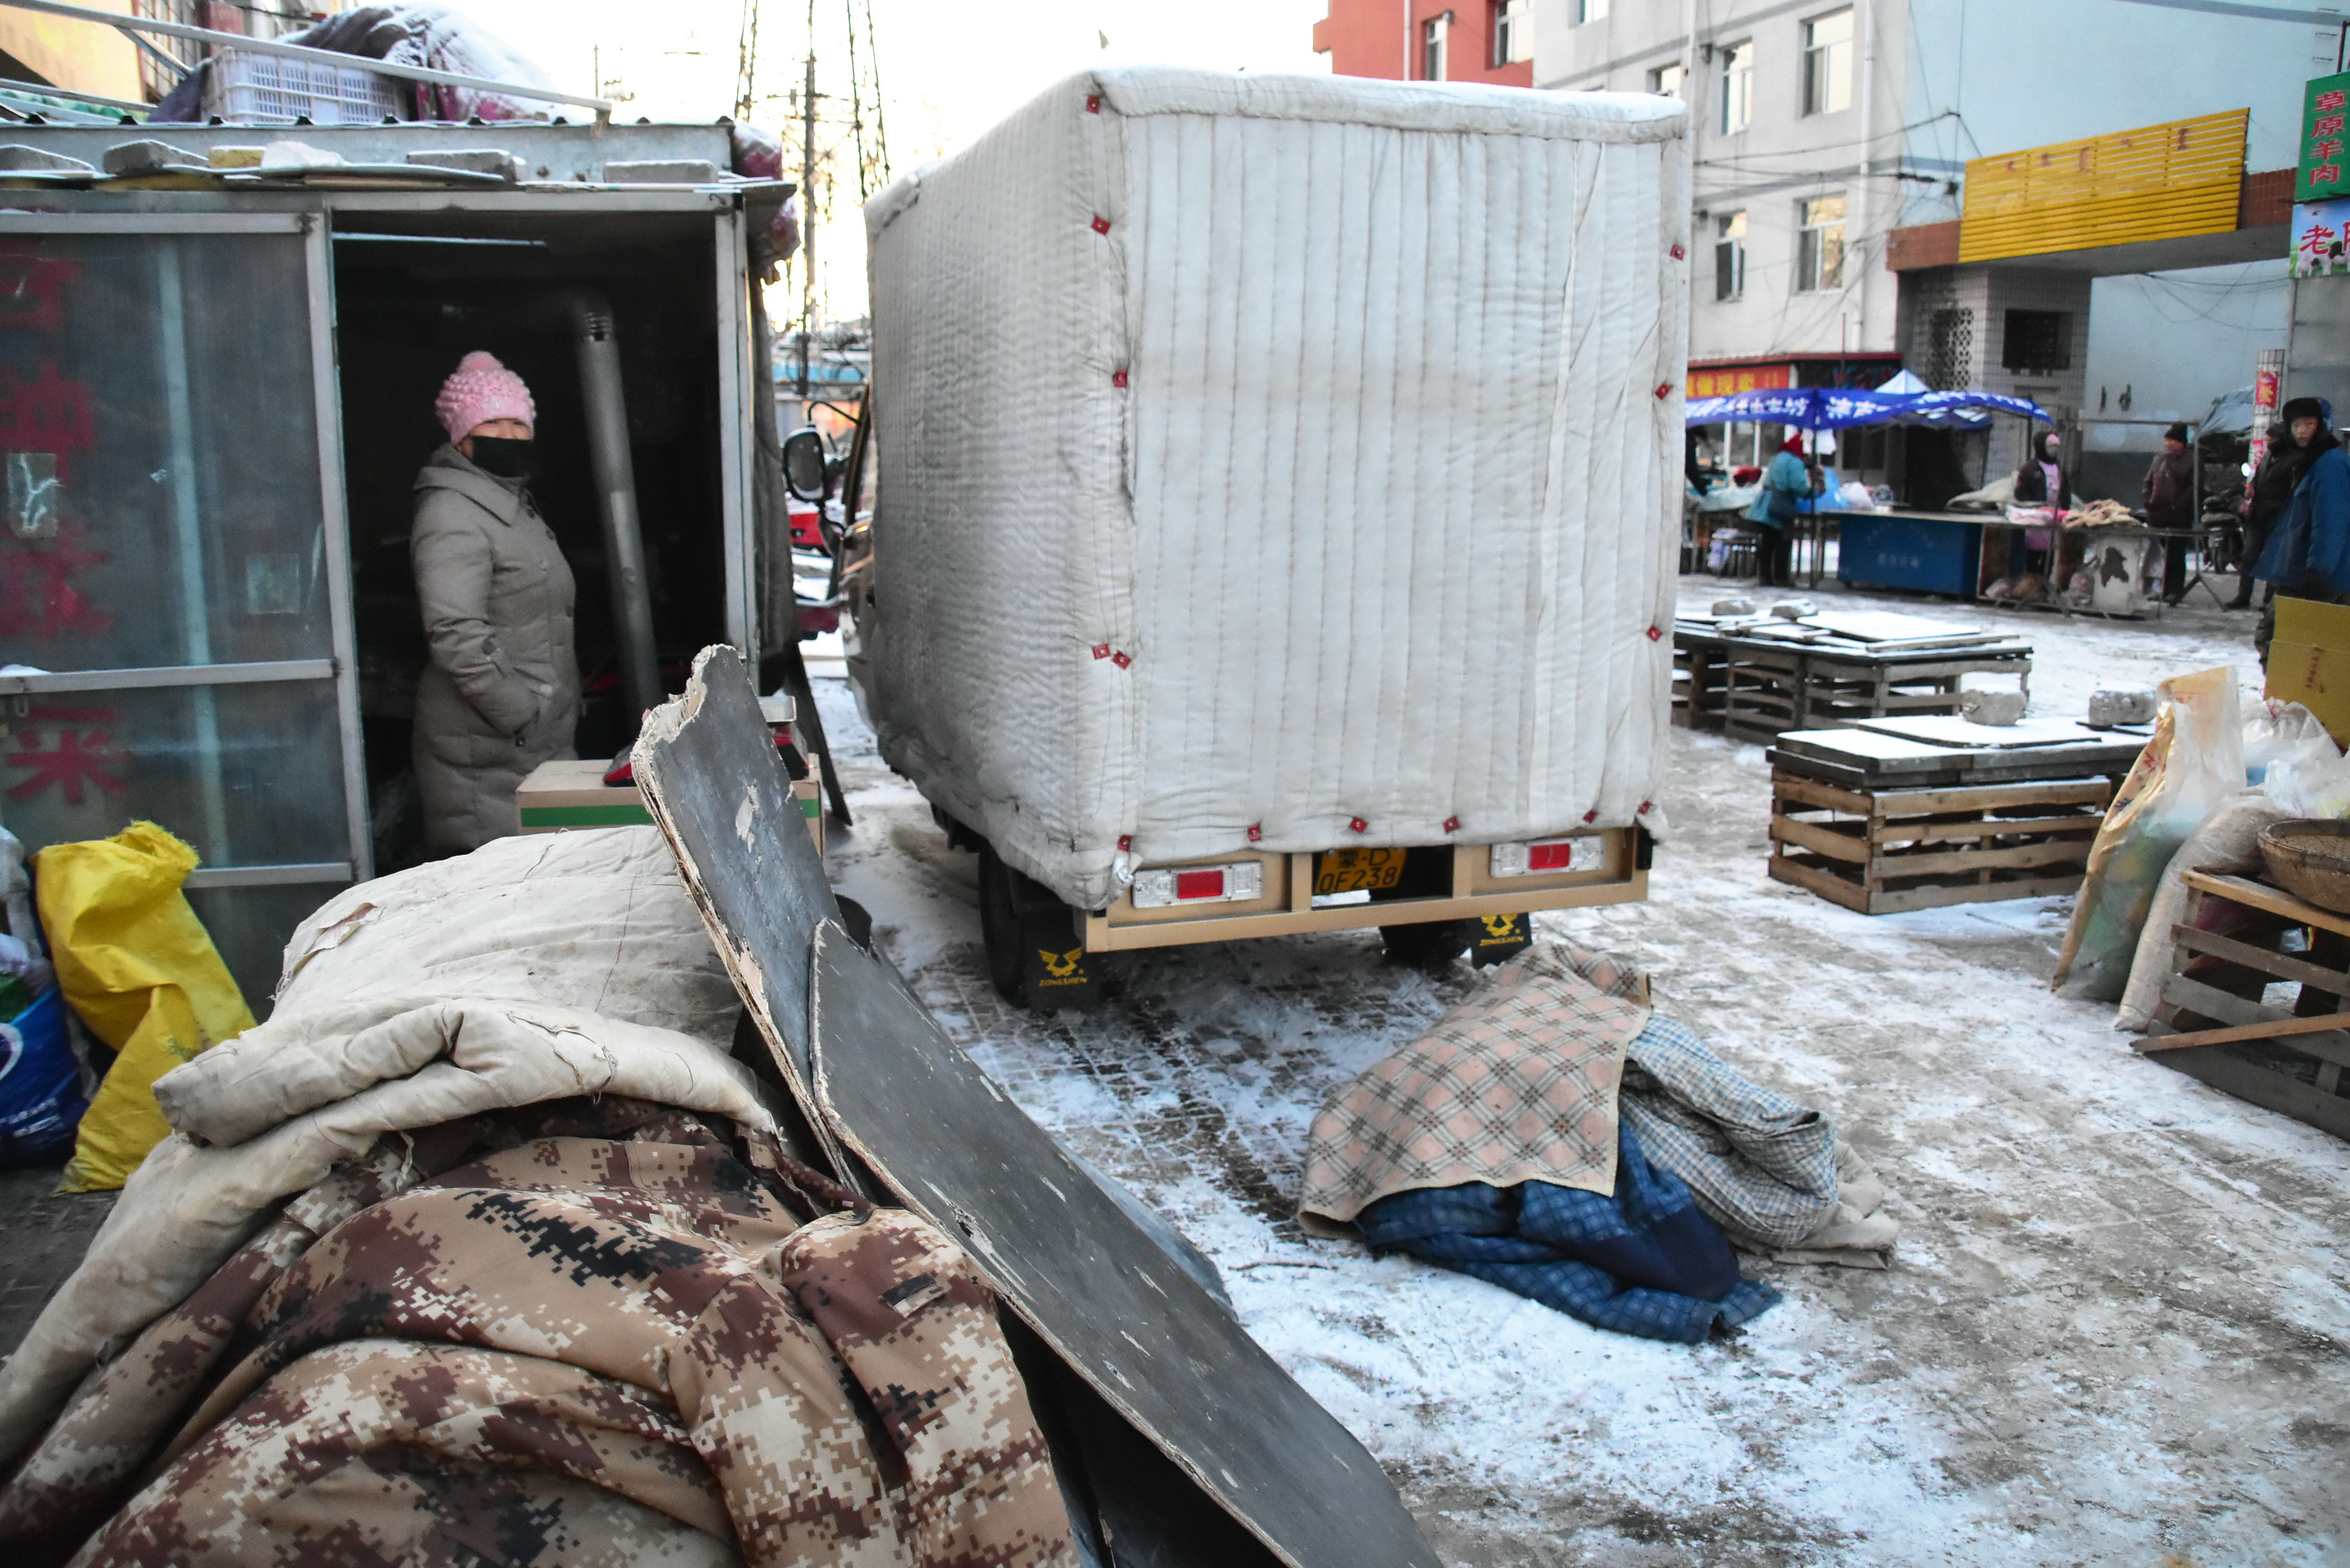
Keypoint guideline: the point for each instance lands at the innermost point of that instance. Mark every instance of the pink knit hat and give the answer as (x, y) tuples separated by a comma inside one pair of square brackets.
[(479, 391)]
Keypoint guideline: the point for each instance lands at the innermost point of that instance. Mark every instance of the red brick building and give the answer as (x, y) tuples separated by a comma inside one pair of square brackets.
[(1490, 41)]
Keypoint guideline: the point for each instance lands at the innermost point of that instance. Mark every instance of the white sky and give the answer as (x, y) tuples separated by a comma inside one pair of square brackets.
[(948, 69)]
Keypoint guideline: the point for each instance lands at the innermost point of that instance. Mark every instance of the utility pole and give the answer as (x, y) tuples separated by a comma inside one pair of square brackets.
[(807, 205)]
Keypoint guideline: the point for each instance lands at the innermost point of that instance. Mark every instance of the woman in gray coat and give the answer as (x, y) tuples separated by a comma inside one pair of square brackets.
[(502, 694)]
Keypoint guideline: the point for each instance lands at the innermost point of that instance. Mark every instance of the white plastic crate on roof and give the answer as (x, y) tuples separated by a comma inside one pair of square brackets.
[(258, 89), (1281, 464)]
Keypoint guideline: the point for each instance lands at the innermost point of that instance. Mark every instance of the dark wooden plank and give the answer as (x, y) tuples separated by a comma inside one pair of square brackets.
[(2271, 1033), (1114, 1307), (1896, 901), (1827, 841), (873, 1071), (2184, 993), (2274, 901), (2260, 1085), (2283, 966), (1812, 879), (706, 778), (1911, 830)]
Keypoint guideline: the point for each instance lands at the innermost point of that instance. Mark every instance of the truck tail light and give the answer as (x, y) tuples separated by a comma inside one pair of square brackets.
[(1541, 856), (1234, 883)]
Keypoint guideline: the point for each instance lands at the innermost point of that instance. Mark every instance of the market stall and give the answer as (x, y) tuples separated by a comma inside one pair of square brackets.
[(1816, 409)]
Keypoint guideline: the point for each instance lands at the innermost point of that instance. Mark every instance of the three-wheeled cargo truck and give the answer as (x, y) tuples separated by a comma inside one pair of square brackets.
[(1276, 522)]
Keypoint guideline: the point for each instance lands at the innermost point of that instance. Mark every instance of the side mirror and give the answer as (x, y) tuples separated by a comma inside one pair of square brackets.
[(804, 464)]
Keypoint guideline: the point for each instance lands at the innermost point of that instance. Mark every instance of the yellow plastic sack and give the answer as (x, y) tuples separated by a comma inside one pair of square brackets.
[(142, 972)]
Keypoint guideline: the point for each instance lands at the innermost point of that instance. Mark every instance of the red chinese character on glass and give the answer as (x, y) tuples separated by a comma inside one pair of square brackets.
[(47, 413), (38, 598), (79, 757), (33, 287), (2327, 124), (2335, 99)]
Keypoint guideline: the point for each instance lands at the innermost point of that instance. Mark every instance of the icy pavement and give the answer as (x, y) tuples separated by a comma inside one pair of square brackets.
[(2115, 1330)]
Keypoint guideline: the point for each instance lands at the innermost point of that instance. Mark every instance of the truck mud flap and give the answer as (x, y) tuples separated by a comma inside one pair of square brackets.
[(1497, 938), (907, 1110)]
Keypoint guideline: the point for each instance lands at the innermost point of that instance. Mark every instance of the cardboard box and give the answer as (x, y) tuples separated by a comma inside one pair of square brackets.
[(2309, 663), (568, 794)]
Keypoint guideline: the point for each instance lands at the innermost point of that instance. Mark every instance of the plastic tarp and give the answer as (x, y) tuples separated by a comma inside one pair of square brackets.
[(1837, 408), (1280, 463)]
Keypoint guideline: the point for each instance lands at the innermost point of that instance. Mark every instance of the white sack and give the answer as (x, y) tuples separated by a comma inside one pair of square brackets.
[(596, 920), (1381, 525)]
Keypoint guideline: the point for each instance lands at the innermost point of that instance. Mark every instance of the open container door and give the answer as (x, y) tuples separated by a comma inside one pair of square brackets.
[(173, 556)]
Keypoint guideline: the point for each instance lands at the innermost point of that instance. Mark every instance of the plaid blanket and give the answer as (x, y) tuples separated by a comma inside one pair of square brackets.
[(1761, 1164), (1516, 1083), (588, 1331)]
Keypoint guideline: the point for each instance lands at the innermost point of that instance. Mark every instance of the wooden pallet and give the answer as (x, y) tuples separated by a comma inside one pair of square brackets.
[(2212, 1023), (1848, 692), (1755, 690), (1697, 684), (1884, 850)]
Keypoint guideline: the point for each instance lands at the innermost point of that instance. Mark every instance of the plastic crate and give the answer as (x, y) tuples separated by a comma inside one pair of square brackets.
[(258, 90)]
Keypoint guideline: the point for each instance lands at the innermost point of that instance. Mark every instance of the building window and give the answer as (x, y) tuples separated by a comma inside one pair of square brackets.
[(1737, 87), (1827, 63), (1819, 244), (1667, 80), (1585, 11), (2037, 342), (1730, 256), (1432, 46), (1514, 31), (1950, 349)]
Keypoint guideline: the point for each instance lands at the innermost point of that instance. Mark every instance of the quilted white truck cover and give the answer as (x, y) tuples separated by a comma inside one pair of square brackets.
[(1280, 464)]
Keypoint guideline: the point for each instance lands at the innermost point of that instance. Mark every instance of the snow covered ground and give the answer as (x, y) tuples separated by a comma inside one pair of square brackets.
[(2116, 1328)]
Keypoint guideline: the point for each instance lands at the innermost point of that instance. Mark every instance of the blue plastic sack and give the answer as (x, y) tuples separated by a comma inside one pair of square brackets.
[(41, 1084)]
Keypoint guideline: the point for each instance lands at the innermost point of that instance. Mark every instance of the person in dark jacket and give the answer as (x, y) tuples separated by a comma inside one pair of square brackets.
[(2170, 505), (2272, 485), (2043, 482), (501, 694), (2308, 555)]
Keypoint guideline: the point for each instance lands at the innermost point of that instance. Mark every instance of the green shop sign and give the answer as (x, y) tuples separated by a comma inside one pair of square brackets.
[(2324, 173)]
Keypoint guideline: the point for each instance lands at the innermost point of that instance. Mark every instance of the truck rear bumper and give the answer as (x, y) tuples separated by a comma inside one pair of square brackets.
[(1287, 904)]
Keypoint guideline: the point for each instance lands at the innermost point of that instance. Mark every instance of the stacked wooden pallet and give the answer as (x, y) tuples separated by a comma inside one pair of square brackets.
[(1910, 813), (1754, 678), (2232, 945)]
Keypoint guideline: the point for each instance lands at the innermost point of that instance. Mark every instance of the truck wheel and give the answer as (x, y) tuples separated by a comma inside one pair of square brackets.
[(1498, 939), (1431, 944), (1035, 959)]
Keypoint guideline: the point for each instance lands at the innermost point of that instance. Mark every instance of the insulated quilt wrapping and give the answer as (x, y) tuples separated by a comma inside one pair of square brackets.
[(1280, 464)]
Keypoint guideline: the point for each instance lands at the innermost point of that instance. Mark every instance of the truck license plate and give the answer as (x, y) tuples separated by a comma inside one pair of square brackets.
[(1357, 870)]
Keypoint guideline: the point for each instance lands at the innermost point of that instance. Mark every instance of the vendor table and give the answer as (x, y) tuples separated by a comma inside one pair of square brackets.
[(1963, 553), (1916, 814), (2211, 1024)]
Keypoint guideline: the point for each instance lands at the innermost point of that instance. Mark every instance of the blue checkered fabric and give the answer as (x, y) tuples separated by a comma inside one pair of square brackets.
[(1763, 1167), (1643, 1262)]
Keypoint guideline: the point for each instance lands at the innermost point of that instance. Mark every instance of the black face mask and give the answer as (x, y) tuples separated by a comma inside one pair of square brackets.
[(504, 456)]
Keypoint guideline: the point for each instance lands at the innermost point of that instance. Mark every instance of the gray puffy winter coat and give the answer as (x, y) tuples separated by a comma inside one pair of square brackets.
[(501, 695)]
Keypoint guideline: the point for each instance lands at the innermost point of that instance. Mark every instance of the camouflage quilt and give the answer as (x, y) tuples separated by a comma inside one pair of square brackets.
[(586, 1332)]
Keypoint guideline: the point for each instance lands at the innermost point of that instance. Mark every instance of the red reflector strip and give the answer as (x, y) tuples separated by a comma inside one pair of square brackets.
[(1198, 884), (1558, 855)]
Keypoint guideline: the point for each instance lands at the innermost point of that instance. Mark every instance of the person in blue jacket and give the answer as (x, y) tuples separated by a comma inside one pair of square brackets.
[(1784, 483), (2308, 555)]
